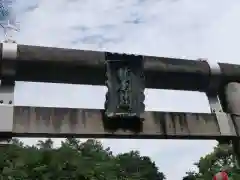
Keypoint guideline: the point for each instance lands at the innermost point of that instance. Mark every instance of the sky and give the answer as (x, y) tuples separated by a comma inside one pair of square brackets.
[(172, 28)]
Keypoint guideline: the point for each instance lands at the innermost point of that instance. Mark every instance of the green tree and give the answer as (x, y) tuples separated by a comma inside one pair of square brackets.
[(138, 167), (220, 158), (87, 160), (47, 144)]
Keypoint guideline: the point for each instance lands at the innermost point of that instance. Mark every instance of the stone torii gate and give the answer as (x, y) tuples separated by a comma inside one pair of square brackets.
[(125, 76)]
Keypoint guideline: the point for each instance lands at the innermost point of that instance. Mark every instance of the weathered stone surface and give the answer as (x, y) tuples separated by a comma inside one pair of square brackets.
[(62, 122)]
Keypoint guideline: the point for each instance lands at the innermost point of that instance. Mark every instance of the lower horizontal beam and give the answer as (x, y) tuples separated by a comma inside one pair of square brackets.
[(88, 123)]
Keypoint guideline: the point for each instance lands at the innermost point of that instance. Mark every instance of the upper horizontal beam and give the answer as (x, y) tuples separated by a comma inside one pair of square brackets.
[(58, 65), (85, 123)]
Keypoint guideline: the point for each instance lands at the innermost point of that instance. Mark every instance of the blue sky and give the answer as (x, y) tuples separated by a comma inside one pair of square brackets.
[(173, 28)]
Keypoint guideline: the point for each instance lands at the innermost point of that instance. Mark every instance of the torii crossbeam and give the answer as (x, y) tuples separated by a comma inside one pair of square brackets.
[(58, 65)]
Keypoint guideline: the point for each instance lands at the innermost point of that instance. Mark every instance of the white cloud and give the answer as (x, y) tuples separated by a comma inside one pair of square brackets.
[(178, 28)]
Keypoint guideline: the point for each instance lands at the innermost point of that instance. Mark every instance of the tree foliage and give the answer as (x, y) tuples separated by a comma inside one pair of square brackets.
[(220, 158), (87, 160)]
